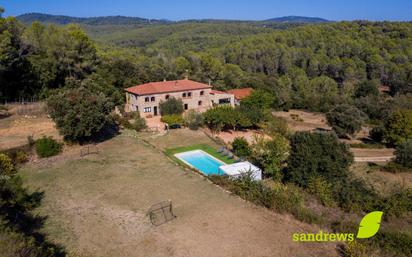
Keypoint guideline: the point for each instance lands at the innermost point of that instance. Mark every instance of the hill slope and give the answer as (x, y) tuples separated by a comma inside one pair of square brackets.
[(107, 20), (297, 19), (123, 20)]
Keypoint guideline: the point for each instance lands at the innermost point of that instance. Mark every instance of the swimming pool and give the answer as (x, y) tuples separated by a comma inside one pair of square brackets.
[(201, 161)]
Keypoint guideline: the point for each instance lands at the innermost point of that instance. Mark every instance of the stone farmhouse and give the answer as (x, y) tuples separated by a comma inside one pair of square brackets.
[(197, 96)]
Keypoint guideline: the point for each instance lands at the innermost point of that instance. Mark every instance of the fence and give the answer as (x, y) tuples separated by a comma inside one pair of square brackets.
[(90, 149), (25, 106), (161, 213)]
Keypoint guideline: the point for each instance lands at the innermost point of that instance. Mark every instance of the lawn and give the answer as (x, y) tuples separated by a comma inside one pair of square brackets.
[(208, 149), (96, 206)]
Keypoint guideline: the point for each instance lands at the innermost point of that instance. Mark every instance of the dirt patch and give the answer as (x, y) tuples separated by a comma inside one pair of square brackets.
[(304, 121), (97, 206), (373, 155), (229, 136)]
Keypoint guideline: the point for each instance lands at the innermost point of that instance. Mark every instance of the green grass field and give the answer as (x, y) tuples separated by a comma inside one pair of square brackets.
[(208, 149)]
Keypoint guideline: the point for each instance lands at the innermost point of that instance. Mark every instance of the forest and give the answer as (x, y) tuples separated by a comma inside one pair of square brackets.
[(309, 66), (357, 72)]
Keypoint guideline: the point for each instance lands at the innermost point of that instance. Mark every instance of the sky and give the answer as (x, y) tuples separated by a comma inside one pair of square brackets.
[(394, 10)]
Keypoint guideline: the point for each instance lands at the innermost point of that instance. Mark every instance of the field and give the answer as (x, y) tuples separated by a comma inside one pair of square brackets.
[(96, 206), (29, 120), (303, 121)]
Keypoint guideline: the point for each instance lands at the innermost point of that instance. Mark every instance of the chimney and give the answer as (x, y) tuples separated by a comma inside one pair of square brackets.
[(187, 75), (210, 82), (164, 80)]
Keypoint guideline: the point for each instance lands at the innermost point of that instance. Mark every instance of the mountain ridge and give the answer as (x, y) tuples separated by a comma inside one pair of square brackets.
[(127, 20)]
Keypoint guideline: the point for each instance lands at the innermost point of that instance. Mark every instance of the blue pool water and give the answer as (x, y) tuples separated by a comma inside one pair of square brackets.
[(201, 161)]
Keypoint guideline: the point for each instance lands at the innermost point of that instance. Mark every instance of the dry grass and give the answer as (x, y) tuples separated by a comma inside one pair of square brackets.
[(15, 129), (97, 206), (383, 182), (303, 121)]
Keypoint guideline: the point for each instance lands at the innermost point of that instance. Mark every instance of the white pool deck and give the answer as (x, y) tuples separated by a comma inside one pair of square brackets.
[(241, 168)]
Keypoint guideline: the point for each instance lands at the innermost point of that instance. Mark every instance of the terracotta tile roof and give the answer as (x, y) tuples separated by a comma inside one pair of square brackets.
[(241, 92), (217, 92), (384, 89), (153, 88)]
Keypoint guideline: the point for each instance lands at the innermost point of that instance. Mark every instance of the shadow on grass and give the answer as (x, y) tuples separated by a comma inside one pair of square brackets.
[(16, 216)]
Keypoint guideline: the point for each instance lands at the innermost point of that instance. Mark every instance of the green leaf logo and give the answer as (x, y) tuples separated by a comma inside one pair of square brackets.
[(370, 224)]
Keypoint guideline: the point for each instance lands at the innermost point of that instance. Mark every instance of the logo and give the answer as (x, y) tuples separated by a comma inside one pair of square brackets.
[(368, 227)]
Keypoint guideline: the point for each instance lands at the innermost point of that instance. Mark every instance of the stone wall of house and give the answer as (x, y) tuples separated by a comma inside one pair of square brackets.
[(148, 105)]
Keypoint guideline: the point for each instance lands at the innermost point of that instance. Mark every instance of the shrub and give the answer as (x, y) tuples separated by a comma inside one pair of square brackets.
[(394, 167), (322, 189), (354, 195), (355, 249), (241, 147), (346, 119), (193, 120), (317, 154), (173, 119), (397, 203), (270, 154), (139, 123), (47, 146), (376, 133), (398, 127), (6, 166), (394, 243), (280, 197), (403, 154), (79, 113), (171, 106), (20, 157)]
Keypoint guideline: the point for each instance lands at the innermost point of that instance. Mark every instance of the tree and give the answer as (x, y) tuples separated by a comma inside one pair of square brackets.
[(220, 117), (346, 119), (193, 119), (171, 106), (1, 11), (269, 154), (322, 93), (259, 99), (225, 117), (241, 147), (367, 88), (403, 154), (398, 127), (317, 154), (79, 113)]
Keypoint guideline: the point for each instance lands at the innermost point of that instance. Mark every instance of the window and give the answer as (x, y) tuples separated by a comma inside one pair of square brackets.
[(224, 101), (167, 97), (147, 109), (186, 106), (184, 94), (202, 92), (199, 103), (146, 99), (152, 99), (189, 94)]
